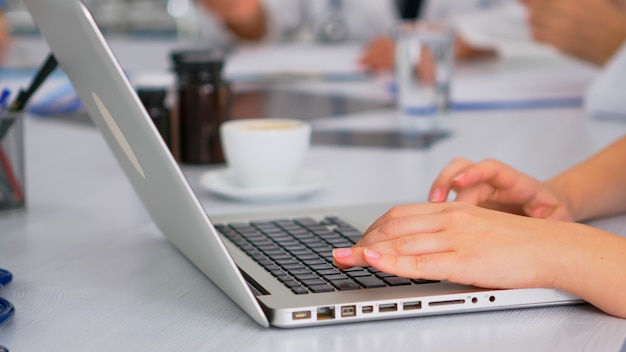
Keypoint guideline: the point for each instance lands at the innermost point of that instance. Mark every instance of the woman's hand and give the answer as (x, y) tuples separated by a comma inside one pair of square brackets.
[(460, 243), (495, 185), (378, 54)]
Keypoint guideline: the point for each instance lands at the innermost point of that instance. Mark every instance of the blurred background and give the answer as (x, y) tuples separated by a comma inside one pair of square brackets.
[(172, 18)]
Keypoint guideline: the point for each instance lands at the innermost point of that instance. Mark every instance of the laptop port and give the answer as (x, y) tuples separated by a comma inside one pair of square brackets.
[(326, 313), (301, 315), (446, 303), (389, 307), (348, 311), (367, 309), (412, 305)]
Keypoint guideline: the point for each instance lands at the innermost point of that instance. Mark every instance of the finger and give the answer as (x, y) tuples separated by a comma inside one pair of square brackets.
[(400, 246), (345, 258), (402, 211), (437, 266), (474, 194), (418, 244), (443, 184), (507, 184), (396, 228)]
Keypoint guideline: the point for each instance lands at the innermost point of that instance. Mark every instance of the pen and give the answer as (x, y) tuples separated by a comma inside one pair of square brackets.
[(4, 123), (4, 96), (24, 95), (18, 105)]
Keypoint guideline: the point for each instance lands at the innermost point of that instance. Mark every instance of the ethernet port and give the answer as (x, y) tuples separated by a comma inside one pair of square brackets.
[(326, 313)]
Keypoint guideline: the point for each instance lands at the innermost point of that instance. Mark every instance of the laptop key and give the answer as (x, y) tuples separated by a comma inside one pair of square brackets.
[(370, 282), (345, 285), (313, 282), (321, 288), (321, 266), (359, 273), (292, 266), (329, 272), (383, 275), (312, 262), (397, 281), (299, 290), (291, 283), (306, 277), (300, 271), (335, 277)]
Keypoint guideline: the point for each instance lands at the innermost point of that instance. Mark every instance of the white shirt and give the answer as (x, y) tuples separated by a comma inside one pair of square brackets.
[(605, 96)]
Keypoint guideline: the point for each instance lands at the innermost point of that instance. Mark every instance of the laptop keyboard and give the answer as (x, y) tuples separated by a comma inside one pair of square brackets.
[(298, 252)]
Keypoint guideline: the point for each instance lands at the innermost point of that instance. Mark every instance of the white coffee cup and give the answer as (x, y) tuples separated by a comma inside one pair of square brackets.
[(264, 153)]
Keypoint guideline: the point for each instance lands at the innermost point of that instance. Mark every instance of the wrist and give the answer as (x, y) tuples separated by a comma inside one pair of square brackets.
[(564, 250)]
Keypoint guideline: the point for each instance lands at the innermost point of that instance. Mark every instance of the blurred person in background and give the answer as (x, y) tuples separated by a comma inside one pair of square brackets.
[(229, 22), (236, 21), (379, 52), (5, 34), (593, 31)]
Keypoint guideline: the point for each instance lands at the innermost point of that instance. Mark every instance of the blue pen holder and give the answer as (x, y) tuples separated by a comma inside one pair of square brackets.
[(12, 176)]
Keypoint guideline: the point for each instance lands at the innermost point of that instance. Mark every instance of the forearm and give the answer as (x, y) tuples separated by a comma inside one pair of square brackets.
[(245, 19), (592, 265), (253, 28), (597, 186)]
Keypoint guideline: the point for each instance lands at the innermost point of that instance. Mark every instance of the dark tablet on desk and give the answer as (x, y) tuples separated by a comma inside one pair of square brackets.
[(396, 139), (280, 103)]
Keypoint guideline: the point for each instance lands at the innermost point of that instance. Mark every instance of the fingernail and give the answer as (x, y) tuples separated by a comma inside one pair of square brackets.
[(371, 254), (435, 195), (342, 252), (458, 177)]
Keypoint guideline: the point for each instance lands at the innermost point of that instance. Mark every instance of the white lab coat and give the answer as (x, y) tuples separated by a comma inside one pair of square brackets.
[(605, 96), (504, 29), (365, 19)]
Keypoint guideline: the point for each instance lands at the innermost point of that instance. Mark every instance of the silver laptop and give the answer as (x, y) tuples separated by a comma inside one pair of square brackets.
[(248, 270)]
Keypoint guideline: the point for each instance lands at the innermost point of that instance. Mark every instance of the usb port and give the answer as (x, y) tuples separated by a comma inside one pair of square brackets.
[(412, 305), (367, 309), (348, 311), (389, 307), (301, 315)]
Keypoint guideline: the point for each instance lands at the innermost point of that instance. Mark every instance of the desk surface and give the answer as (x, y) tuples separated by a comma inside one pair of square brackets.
[(91, 272)]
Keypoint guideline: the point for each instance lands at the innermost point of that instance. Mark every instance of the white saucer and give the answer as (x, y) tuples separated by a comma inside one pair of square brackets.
[(222, 182)]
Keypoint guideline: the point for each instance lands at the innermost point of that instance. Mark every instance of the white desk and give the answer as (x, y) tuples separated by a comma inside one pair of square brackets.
[(92, 273)]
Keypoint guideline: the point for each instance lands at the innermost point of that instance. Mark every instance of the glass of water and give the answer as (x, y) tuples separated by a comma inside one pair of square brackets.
[(424, 64)]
